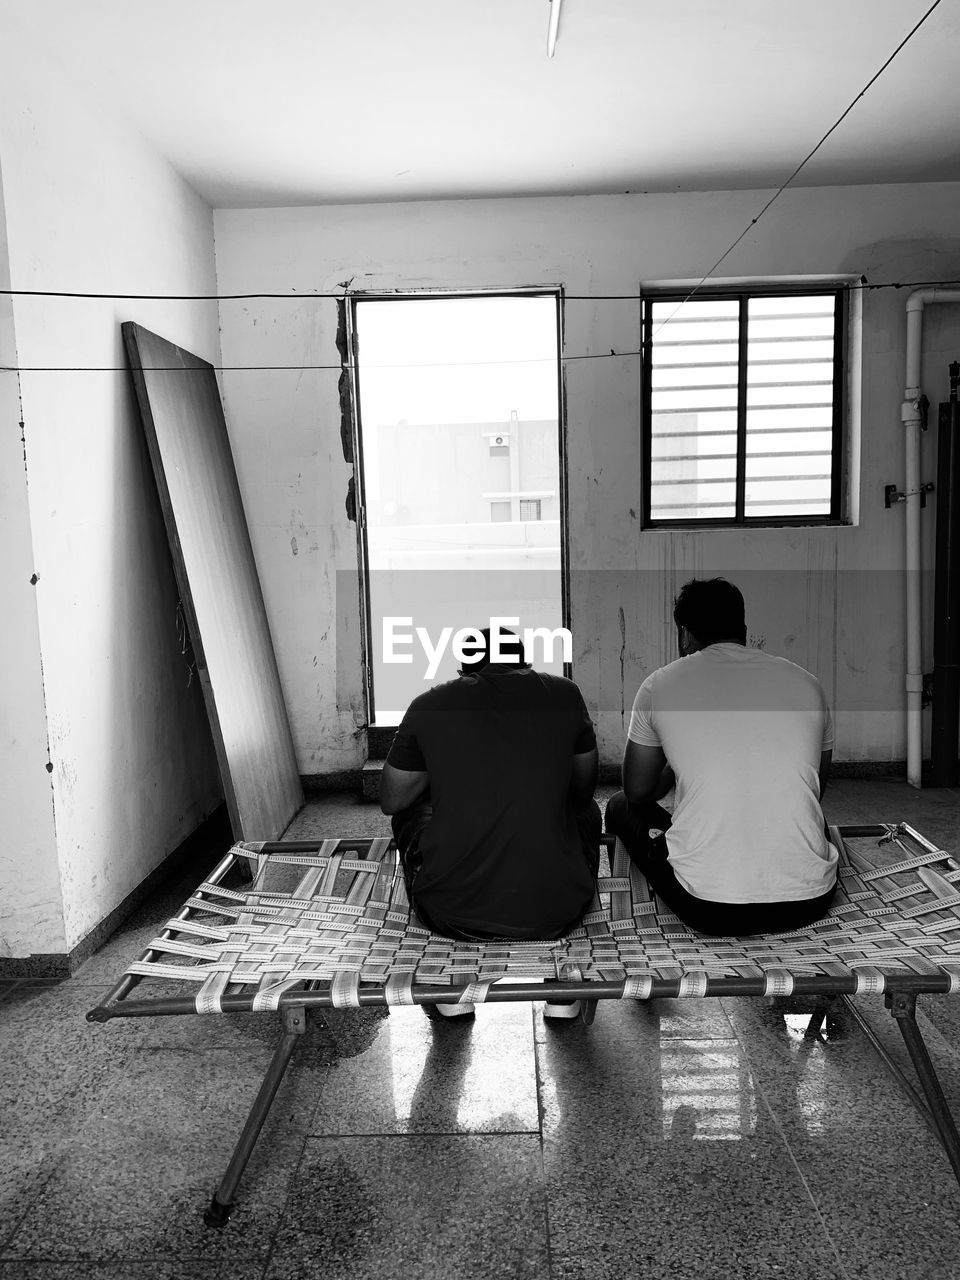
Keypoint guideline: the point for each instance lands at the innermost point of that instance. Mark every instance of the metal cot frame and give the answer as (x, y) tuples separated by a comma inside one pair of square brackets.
[(341, 934)]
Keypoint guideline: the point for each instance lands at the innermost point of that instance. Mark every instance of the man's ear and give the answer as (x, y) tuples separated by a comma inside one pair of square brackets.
[(687, 642)]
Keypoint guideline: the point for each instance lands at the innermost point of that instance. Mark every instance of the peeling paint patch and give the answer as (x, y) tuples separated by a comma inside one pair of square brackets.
[(293, 546), (344, 386), (346, 415), (345, 392), (67, 775)]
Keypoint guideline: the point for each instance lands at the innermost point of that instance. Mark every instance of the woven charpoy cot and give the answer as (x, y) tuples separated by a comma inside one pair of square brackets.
[(328, 923)]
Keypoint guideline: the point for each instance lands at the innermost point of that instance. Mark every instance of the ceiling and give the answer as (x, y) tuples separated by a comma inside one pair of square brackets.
[(279, 102)]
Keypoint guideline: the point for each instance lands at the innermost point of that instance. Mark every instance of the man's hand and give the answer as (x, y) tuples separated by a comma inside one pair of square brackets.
[(400, 787), (646, 774)]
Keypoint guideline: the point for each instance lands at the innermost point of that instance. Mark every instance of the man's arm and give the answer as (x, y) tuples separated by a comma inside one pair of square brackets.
[(583, 777), (646, 774), (825, 758), (400, 787)]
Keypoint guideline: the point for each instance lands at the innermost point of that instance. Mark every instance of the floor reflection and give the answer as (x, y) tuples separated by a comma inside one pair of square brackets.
[(670, 1072), (463, 1076), (679, 1072), (800, 1033), (437, 1101), (707, 1091)]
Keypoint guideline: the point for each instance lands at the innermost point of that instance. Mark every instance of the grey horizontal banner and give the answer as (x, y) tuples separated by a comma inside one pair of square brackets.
[(847, 627)]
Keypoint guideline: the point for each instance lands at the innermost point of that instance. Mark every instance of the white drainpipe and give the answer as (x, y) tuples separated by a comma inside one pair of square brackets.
[(911, 421)]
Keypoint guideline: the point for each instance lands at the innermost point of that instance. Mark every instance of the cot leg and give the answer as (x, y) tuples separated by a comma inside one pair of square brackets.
[(588, 1010), (294, 1019), (903, 1007), (815, 1025)]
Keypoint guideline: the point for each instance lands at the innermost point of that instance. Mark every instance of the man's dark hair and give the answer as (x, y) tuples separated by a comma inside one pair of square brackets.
[(712, 611), (511, 646)]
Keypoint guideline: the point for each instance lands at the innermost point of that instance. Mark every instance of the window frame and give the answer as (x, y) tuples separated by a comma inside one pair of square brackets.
[(352, 367), (742, 293)]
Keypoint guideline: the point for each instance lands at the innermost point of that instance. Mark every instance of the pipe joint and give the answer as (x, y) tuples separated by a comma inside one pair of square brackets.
[(910, 413), (918, 299), (914, 682), (914, 412)]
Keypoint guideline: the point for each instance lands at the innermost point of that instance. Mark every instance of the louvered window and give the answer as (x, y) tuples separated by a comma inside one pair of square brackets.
[(742, 400)]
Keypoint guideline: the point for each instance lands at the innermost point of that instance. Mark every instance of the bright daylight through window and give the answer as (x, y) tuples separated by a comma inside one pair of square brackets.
[(461, 478), (742, 408)]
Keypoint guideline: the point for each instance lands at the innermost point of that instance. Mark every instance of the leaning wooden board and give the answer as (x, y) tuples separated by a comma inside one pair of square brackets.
[(219, 588)]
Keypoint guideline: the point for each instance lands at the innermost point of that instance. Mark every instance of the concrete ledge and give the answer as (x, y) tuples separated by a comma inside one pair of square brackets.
[(317, 784), (610, 773), (379, 741), (370, 786), (869, 769), (212, 836), (366, 781)]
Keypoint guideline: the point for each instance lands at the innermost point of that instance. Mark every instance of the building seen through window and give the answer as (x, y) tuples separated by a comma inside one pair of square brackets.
[(461, 493)]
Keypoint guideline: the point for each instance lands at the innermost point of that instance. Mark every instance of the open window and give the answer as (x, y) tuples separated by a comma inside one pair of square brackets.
[(461, 478)]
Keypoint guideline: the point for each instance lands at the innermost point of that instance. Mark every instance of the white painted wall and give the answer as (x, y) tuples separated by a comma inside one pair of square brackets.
[(31, 919), (90, 207), (834, 601)]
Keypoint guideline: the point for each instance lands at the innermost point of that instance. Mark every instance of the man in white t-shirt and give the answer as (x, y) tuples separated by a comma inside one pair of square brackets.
[(746, 738)]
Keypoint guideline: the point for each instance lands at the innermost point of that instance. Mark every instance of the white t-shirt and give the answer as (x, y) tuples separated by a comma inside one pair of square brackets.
[(743, 732)]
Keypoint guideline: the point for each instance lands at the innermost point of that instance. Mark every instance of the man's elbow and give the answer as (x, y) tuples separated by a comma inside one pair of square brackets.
[(387, 800)]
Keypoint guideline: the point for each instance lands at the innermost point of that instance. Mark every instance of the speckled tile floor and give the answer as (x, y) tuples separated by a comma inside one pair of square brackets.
[(711, 1139)]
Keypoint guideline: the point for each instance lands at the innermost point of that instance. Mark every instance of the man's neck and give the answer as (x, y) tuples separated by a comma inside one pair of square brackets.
[(496, 667), (707, 644)]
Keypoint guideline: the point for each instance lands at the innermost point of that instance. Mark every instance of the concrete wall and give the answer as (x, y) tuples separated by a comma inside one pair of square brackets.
[(830, 598), (91, 208), (31, 908)]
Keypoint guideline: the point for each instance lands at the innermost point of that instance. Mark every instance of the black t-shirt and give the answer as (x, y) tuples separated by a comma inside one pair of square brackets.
[(501, 852)]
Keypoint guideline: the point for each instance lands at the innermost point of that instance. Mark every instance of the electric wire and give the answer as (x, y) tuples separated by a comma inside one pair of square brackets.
[(609, 297), (563, 359), (780, 190), (863, 285)]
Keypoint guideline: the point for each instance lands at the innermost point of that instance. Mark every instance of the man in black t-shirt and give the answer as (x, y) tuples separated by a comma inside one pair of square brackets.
[(490, 784)]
